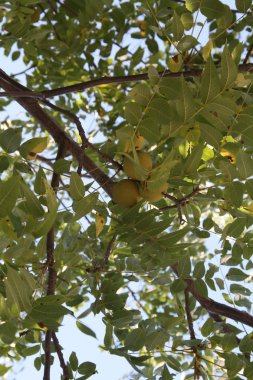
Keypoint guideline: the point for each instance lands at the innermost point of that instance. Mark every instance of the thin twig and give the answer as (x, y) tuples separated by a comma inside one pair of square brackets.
[(249, 51), (180, 202), (188, 315), (104, 265), (85, 141), (137, 301), (109, 251), (22, 72), (58, 349), (50, 22), (197, 372)]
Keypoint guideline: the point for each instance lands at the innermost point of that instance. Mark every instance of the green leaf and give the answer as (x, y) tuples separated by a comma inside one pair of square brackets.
[(233, 363), (243, 5), (18, 290), (141, 94), (236, 228), (184, 267), (133, 113), (187, 20), (178, 286), (210, 83), (235, 274), (43, 227), (192, 5), (149, 128), (76, 187), (10, 139), (9, 191), (85, 205), (170, 88), (210, 135), (29, 351), (246, 344), (108, 338), (135, 340), (201, 288), (177, 27), (87, 368), (159, 109), (156, 340), (185, 105), (207, 327), (4, 369), (32, 204), (49, 314), (234, 193), (244, 164), (212, 9), (37, 363), (85, 329), (244, 125), (73, 360), (239, 289), (193, 160), (228, 69), (186, 43), (39, 183), (153, 75), (4, 163), (173, 237), (249, 187), (229, 342), (61, 166), (166, 374), (199, 270)]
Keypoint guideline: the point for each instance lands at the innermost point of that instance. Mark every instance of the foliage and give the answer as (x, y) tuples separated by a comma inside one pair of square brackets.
[(99, 76)]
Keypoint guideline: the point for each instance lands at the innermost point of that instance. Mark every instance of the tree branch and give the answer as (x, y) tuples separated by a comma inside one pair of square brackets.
[(197, 372), (188, 314), (85, 141), (214, 307), (58, 350), (180, 202), (47, 355), (79, 87), (52, 275), (248, 54), (56, 131)]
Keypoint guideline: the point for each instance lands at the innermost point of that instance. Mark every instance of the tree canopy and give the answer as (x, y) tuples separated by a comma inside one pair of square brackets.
[(127, 184)]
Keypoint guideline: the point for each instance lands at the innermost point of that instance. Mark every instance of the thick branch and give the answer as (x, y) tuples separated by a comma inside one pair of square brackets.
[(79, 87), (215, 307), (56, 131), (47, 355), (219, 308), (51, 282)]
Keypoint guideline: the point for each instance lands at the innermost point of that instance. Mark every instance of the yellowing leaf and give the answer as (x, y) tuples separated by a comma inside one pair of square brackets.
[(175, 63), (30, 147), (100, 222), (230, 155)]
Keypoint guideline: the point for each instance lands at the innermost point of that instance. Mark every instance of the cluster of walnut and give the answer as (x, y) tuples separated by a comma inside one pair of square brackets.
[(137, 166)]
